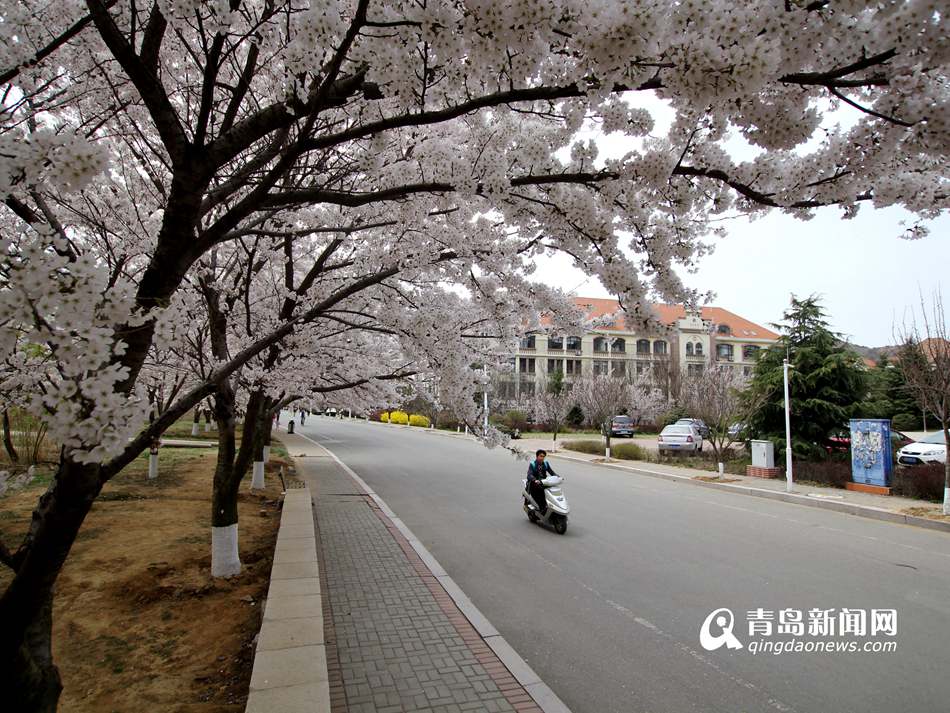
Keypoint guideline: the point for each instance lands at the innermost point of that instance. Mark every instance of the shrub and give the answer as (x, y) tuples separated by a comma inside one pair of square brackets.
[(829, 472), (400, 417), (905, 422), (384, 417), (516, 419), (575, 417), (672, 416), (629, 451), (418, 420), (924, 482), (591, 447)]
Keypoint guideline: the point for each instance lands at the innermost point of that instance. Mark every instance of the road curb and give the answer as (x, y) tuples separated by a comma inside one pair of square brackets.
[(290, 671), (864, 511), (540, 692)]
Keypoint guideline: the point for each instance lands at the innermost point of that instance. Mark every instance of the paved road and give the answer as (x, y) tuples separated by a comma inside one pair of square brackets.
[(609, 614)]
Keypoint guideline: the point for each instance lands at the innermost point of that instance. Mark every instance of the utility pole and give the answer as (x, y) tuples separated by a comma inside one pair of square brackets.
[(788, 431)]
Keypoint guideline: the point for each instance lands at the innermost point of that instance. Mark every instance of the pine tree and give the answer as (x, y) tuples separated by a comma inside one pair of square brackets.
[(827, 381)]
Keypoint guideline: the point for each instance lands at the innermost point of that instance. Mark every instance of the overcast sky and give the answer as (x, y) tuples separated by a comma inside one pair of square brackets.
[(870, 279)]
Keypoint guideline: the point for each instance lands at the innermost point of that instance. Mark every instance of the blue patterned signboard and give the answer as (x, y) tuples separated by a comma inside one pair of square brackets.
[(871, 458)]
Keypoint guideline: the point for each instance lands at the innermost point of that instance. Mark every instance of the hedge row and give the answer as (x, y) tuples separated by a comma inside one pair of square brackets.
[(402, 418)]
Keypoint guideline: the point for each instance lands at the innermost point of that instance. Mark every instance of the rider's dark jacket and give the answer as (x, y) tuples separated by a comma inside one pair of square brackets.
[(534, 474)]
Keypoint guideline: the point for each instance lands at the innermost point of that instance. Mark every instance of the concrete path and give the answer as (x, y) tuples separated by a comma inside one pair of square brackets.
[(397, 638)]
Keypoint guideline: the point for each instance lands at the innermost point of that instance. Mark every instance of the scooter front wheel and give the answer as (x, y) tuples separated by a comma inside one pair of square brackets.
[(560, 525)]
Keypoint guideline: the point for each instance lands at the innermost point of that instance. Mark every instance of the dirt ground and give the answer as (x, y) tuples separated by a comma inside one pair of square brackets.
[(139, 624)]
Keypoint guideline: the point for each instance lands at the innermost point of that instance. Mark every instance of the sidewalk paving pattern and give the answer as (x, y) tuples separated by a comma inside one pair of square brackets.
[(396, 641)]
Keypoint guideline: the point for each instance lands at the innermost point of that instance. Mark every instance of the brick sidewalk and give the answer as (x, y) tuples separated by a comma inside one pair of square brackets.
[(396, 641)]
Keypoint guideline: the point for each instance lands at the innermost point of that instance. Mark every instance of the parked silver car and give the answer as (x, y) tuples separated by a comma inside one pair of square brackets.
[(679, 437)]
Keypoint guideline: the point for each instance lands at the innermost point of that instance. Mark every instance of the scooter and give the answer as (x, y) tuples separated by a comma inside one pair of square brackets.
[(558, 509)]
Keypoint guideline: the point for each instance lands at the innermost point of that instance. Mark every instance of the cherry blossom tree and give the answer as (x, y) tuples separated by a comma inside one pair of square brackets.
[(924, 358), (602, 397), (552, 402), (136, 138)]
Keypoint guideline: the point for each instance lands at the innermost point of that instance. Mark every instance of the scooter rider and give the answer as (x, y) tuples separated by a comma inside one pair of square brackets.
[(538, 470)]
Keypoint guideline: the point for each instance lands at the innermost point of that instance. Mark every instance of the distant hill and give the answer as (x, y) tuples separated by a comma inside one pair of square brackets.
[(872, 353)]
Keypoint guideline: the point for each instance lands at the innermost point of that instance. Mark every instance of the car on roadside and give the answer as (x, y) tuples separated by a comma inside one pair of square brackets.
[(331, 412), (738, 430), (680, 437), (696, 423), (930, 449), (622, 426), (840, 441)]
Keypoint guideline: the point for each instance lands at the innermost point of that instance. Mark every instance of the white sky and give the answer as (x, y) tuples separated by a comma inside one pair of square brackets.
[(870, 279)]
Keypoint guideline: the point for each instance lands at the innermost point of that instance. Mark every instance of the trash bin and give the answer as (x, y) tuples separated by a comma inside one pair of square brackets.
[(290, 426)]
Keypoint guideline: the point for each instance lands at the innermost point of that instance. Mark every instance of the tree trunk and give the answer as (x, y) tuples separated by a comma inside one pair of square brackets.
[(28, 678), (230, 470), (225, 559), (7, 439), (196, 422), (946, 469)]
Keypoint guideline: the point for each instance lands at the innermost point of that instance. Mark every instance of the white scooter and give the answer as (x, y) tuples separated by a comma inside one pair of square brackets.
[(558, 509)]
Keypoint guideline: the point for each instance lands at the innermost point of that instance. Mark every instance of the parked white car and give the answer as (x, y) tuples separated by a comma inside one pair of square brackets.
[(931, 449), (679, 437)]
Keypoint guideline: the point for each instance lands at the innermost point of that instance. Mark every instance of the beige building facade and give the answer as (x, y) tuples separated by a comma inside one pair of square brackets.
[(689, 344)]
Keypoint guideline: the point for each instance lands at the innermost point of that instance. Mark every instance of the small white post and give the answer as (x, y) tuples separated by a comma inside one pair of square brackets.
[(788, 431), (466, 429), (153, 464), (722, 469), (458, 429)]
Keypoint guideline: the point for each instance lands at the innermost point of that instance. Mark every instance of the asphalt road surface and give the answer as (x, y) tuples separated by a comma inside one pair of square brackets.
[(609, 615)]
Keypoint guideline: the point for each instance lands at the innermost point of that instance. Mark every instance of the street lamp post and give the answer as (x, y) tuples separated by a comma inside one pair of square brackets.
[(788, 431)]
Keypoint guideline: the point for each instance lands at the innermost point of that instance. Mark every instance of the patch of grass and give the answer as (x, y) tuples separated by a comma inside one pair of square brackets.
[(623, 451)]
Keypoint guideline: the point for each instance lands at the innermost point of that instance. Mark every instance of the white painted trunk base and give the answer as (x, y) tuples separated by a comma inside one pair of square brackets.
[(207, 427), (722, 469), (225, 561), (194, 428), (152, 466), (257, 476), (266, 454), (607, 452), (946, 501)]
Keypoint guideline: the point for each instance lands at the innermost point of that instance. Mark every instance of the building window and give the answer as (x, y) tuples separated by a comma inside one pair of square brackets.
[(555, 365), (643, 346), (750, 352), (555, 343), (642, 366), (694, 369), (689, 349), (723, 329), (619, 346), (574, 343), (573, 367), (724, 352), (526, 365), (600, 367), (618, 369), (527, 342), (659, 347), (747, 371), (600, 345), (527, 388), (507, 389), (699, 348)]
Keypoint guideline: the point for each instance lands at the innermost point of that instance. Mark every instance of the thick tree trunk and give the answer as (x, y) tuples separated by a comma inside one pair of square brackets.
[(231, 467), (196, 422), (7, 439), (29, 681), (946, 470), (225, 559)]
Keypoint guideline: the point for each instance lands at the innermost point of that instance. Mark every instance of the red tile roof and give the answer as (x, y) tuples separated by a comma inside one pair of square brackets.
[(668, 314)]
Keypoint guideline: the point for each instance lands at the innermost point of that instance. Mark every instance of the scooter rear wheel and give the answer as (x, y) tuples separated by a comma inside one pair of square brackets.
[(532, 515)]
